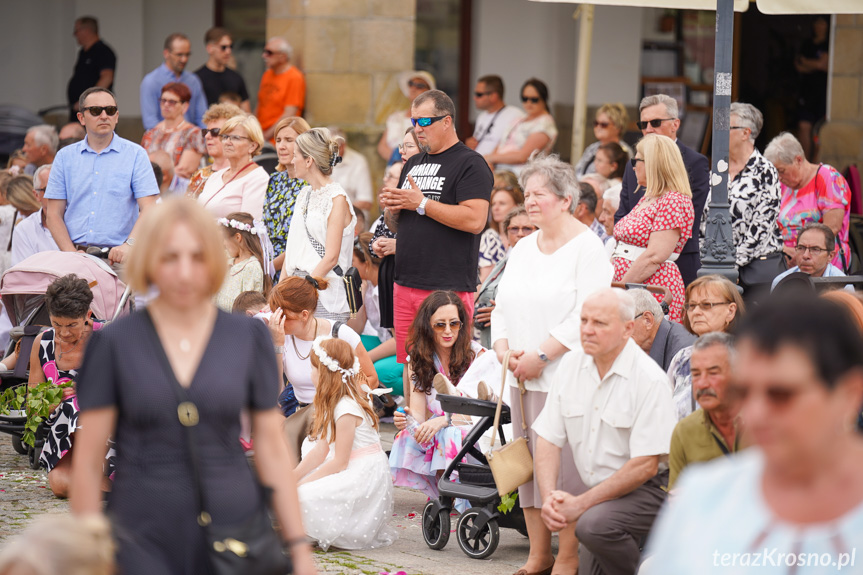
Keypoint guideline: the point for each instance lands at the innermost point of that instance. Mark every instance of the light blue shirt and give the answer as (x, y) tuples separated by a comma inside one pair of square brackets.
[(101, 189), (151, 91), (831, 272)]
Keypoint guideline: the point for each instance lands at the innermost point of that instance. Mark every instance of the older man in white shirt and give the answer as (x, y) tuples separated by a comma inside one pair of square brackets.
[(31, 235), (612, 404)]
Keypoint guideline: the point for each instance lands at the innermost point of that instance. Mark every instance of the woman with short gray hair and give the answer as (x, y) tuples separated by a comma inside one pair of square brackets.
[(538, 316), (810, 193), (753, 192)]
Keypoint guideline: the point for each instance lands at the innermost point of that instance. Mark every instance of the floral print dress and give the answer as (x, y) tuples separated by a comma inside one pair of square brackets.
[(282, 193), (672, 211)]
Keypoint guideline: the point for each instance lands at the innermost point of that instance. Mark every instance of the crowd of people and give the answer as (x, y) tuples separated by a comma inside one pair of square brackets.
[(275, 324)]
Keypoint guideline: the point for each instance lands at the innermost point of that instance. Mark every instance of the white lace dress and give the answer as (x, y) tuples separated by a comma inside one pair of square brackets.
[(313, 208), (350, 509)]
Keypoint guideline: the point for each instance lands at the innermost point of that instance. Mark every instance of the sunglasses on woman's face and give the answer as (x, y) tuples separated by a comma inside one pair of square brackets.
[(441, 326), (634, 161), (214, 132), (603, 125), (526, 99), (418, 85)]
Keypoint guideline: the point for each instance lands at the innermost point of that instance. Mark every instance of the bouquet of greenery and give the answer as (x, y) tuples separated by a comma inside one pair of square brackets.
[(39, 401)]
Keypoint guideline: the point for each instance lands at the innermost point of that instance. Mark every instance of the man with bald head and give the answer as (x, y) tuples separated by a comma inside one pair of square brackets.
[(612, 404), (282, 92)]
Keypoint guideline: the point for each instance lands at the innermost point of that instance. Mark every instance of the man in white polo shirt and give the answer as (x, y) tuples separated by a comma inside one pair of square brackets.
[(495, 118), (612, 404)]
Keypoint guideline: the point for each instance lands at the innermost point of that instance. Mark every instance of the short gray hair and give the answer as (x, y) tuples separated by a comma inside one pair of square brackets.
[(612, 195), (646, 302), (38, 174), (45, 135), (559, 177), (284, 47), (748, 116), (667, 101), (783, 149), (716, 338), (601, 181), (625, 303)]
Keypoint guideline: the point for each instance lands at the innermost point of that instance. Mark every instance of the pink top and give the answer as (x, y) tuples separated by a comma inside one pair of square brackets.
[(245, 194)]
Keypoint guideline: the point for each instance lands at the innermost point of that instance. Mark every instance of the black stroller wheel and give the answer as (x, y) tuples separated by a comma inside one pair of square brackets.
[(476, 542), (33, 454), (18, 445), (435, 528)]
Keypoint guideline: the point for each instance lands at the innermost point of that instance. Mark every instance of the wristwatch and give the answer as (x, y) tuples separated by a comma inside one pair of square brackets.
[(542, 355), (130, 241), (421, 209)]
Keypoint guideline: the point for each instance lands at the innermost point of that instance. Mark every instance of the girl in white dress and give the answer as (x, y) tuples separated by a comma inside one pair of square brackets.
[(345, 489), (321, 236)]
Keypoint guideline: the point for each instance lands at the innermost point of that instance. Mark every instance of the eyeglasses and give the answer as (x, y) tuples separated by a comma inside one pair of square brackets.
[(603, 125), (738, 128), (405, 147), (40, 190), (704, 305), (232, 138), (226, 47), (212, 131), (654, 123), (526, 230), (633, 161), (168, 102), (481, 94), (418, 85), (97, 110), (426, 122), (639, 315), (504, 188), (814, 250), (440, 326), (526, 99)]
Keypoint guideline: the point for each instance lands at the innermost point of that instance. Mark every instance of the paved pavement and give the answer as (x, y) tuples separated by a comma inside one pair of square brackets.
[(24, 494)]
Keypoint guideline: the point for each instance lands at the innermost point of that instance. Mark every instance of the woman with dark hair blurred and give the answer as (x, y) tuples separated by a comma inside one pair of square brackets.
[(536, 132)]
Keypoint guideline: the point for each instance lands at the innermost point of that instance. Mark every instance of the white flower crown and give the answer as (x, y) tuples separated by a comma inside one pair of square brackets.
[(331, 364), (238, 225)]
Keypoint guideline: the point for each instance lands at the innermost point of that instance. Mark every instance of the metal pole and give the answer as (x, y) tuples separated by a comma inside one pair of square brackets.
[(719, 252), (582, 75)]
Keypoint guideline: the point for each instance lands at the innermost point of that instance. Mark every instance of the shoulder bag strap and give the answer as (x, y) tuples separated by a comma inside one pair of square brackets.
[(521, 391), (319, 248), (337, 325), (187, 413)]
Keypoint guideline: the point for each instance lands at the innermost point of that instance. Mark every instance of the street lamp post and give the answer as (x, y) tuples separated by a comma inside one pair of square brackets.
[(718, 253)]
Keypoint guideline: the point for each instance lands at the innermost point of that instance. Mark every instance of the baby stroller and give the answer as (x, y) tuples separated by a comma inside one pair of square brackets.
[(22, 290), (478, 528)]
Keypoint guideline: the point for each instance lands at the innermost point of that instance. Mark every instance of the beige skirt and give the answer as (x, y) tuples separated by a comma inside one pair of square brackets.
[(568, 480)]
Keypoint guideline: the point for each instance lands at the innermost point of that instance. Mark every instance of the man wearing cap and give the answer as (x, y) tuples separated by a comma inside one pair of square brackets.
[(438, 210), (412, 84)]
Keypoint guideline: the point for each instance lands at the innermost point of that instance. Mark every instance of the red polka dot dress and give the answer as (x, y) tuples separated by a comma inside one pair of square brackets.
[(672, 211)]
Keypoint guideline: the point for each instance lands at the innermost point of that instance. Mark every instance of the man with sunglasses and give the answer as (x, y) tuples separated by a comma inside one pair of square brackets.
[(98, 186), (495, 118), (659, 115), (438, 210), (215, 76), (177, 51), (816, 247), (282, 93)]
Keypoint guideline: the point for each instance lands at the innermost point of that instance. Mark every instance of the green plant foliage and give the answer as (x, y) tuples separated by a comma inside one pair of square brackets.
[(38, 401), (507, 502)]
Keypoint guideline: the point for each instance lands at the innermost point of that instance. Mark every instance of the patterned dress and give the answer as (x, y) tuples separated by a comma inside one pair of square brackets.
[(282, 193), (63, 422), (175, 142), (197, 181), (246, 275), (672, 211), (491, 248)]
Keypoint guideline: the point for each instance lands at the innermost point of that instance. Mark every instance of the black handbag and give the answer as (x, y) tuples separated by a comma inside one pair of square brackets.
[(352, 281), (763, 270), (249, 548)]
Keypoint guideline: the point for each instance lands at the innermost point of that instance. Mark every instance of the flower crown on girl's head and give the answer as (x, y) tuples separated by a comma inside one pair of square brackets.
[(331, 364), (242, 226)]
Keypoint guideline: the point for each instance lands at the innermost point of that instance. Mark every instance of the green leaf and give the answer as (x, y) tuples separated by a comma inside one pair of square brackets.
[(507, 502)]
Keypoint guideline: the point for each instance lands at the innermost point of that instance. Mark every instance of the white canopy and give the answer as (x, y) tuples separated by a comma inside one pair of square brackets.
[(765, 6)]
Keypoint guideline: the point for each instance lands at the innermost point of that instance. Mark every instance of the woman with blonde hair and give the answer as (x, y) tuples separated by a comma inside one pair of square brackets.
[(242, 186), (19, 193), (135, 372), (284, 187), (214, 118), (608, 127), (652, 235), (320, 241)]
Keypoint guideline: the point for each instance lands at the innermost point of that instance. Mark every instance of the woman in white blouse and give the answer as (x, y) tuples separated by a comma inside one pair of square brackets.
[(537, 315), (320, 240), (242, 186), (535, 132)]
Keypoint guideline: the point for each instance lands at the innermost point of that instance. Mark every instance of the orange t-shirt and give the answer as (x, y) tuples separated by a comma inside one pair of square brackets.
[(278, 91)]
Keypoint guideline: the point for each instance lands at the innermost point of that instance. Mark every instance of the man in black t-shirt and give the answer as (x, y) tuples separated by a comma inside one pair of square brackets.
[(95, 65), (215, 75), (438, 210)]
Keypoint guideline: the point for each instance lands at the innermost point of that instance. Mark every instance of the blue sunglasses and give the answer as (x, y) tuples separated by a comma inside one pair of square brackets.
[(426, 122)]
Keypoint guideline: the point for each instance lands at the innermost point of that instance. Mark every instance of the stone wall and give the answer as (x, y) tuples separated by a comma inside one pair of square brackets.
[(352, 52), (842, 137)]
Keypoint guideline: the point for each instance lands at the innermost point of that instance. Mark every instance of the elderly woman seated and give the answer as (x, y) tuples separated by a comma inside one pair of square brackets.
[(55, 358)]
